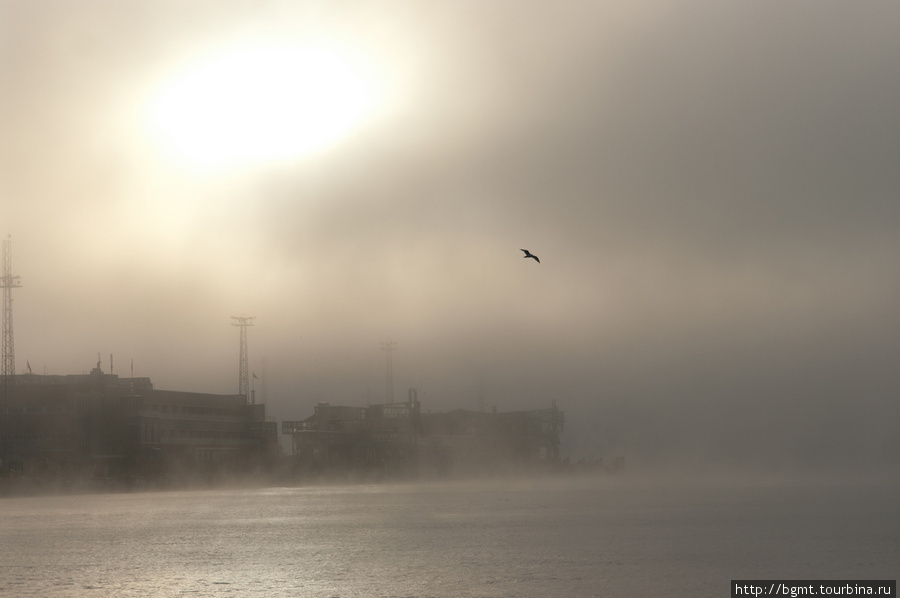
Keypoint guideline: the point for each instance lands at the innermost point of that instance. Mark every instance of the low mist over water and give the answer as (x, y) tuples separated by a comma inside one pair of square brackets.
[(586, 536)]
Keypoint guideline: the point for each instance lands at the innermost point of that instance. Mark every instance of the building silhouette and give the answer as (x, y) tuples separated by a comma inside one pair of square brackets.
[(99, 425), (397, 438)]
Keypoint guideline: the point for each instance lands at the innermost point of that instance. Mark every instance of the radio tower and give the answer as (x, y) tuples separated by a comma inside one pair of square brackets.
[(265, 380), (244, 377), (389, 348), (8, 282)]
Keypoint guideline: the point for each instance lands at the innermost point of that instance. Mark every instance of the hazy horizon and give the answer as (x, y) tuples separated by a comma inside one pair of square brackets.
[(712, 189)]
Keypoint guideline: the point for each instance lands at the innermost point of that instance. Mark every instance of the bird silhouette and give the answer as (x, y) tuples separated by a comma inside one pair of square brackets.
[(531, 255)]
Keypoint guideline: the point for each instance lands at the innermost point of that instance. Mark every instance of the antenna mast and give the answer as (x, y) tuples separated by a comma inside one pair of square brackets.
[(8, 282), (244, 374), (481, 390), (265, 380), (389, 347)]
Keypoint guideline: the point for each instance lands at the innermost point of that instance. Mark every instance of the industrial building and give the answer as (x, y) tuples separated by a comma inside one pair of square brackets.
[(99, 425), (399, 438)]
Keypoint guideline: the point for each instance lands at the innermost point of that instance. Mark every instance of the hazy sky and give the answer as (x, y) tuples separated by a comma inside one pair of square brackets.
[(713, 189)]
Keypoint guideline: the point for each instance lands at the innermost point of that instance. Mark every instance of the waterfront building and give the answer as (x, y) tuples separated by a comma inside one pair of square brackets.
[(398, 437), (102, 425)]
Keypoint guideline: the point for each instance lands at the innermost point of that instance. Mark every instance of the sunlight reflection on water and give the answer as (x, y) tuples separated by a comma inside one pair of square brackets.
[(553, 537)]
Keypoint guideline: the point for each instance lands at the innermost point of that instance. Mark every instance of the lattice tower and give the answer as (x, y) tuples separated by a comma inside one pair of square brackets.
[(244, 374), (389, 347), (8, 282)]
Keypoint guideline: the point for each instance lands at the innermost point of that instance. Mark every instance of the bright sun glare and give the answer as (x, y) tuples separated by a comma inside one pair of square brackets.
[(261, 104)]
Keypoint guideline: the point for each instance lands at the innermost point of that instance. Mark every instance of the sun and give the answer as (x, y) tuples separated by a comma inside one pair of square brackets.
[(260, 104)]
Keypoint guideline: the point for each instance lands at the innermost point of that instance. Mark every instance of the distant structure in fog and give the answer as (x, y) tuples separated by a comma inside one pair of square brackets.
[(97, 426), (244, 374), (8, 282), (397, 438), (389, 347), (481, 391), (265, 380)]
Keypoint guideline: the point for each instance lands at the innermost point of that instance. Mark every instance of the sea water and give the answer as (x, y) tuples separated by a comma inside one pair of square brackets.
[(554, 536)]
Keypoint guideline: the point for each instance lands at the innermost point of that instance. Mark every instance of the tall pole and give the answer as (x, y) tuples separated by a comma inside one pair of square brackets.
[(389, 347), (265, 380), (481, 390), (244, 373), (8, 282)]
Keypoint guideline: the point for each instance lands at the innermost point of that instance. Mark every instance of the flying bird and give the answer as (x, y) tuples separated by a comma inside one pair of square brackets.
[(531, 255)]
